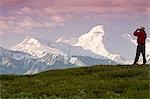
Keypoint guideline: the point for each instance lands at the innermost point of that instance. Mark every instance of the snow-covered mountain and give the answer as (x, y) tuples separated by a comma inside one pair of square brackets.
[(16, 62), (34, 55), (36, 48), (39, 48), (119, 48), (93, 41)]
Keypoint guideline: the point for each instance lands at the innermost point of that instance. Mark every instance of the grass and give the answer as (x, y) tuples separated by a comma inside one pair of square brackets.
[(96, 82)]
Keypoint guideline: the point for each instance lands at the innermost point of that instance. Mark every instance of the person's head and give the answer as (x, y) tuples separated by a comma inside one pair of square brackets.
[(142, 28)]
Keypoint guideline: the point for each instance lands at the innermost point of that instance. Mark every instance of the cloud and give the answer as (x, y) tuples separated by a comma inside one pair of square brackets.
[(99, 6), (26, 15), (3, 26), (58, 20), (15, 24), (82, 6), (26, 20), (25, 24), (26, 10), (12, 2), (103, 3)]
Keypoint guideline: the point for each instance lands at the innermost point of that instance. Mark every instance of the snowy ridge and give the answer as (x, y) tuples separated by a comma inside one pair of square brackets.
[(40, 48), (35, 48), (71, 41), (15, 62)]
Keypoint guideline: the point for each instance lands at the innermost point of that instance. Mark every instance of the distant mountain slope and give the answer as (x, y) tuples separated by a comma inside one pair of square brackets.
[(16, 62)]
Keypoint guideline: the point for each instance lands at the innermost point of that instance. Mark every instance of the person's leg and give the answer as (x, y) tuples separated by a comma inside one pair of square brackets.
[(143, 54), (137, 54)]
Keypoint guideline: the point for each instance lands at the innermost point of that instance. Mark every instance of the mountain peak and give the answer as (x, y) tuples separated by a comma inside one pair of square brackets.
[(97, 30), (30, 40), (93, 41)]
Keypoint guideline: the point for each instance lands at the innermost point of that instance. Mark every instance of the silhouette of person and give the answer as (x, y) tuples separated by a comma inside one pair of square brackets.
[(141, 38)]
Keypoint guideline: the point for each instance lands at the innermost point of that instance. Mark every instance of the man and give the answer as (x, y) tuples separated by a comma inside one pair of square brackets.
[(141, 37)]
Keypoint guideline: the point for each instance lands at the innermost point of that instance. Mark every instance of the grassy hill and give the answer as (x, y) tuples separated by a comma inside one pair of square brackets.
[(96, 82)]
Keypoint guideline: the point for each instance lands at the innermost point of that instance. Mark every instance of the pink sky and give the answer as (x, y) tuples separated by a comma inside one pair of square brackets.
[(55, 18), (140, 5)]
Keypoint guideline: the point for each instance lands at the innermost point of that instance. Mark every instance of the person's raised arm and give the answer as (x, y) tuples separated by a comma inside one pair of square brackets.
[(136, 33)]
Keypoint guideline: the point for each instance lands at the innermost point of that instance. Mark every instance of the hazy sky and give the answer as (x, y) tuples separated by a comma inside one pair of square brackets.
[(51, 19)]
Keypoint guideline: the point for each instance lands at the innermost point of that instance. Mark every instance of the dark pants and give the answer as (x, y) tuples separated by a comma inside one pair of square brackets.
[(140, 49)]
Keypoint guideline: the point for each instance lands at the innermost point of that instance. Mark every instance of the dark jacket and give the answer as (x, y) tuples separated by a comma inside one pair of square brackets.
[(141, 36)]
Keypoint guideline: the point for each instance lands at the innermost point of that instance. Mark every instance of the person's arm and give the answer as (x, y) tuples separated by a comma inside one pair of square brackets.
[(136, 33)]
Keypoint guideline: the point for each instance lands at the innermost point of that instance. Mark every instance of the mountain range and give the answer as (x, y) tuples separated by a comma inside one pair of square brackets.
[(34, 55)]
